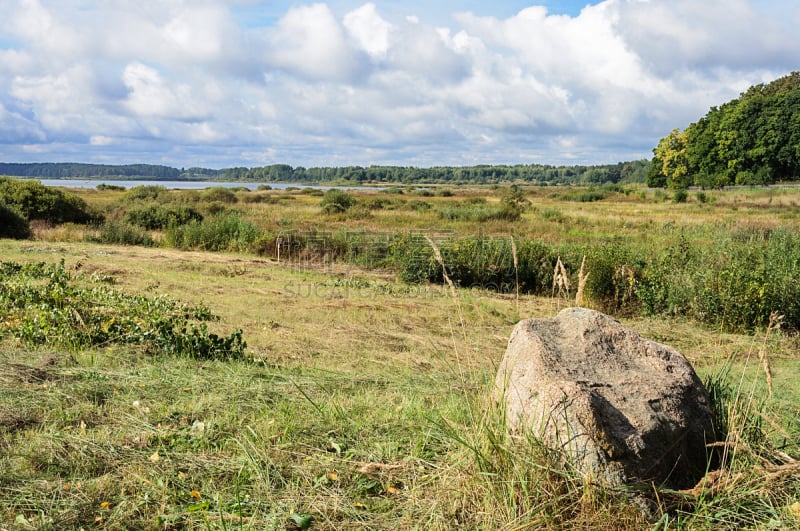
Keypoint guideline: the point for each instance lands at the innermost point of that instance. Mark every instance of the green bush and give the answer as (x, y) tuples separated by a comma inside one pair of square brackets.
[(220, 194), (110, 187), (121, 233), (32, 200), (336, 201), (614, 271), (680, 196), (156, 217), (223, 232), (12, 224), (144, 193)]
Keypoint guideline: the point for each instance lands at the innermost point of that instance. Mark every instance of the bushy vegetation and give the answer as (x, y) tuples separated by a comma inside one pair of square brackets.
[(121, 233), (337, 201), (34, 201), (156, 217), (12, 224), (737, 284), (43, 304), (221, 232)]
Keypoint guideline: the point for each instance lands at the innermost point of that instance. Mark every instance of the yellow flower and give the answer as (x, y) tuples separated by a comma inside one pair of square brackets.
[(195, 494), (105, 505)]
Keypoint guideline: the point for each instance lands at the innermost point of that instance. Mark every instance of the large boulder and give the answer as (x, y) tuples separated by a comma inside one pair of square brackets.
[(623, 408)]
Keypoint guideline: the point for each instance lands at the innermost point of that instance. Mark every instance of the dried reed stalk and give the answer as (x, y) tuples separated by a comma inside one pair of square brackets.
[(582, 278), (437, 254), (775, 321), (560, 280)]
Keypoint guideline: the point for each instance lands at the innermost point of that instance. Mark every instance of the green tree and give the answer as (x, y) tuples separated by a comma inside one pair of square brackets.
[(671, 151)]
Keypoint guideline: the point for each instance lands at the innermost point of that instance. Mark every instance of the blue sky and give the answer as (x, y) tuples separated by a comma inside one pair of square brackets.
[(248, 82)]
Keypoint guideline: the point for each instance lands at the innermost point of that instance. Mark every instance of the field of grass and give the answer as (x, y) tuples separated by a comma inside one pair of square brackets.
[(361, 402)]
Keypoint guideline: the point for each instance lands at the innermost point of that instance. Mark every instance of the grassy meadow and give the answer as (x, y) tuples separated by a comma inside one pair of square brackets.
[(361, 398)]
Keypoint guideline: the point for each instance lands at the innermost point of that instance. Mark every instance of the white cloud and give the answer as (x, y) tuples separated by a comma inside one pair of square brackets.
[(369, 30), (310, 42), (100, 140), (375, 82), (151, 96)]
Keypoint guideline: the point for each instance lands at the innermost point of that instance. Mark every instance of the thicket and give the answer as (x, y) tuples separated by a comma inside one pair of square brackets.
[(34, 201), (43, 304), (751, 140)]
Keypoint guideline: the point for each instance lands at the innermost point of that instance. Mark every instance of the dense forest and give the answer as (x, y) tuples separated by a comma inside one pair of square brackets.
[(67, 170), (751, 140), (622, 172)]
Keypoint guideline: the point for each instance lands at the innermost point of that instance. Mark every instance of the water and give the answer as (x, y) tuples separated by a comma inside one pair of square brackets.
[(187, 185)]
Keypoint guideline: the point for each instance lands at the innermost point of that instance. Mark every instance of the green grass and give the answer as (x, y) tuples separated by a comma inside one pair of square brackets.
[(360, 402)]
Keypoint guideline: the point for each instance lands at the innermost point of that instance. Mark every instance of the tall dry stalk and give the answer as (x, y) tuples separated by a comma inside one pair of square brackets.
[(560, 280), (437, 254), (582, 278), (775, 321)]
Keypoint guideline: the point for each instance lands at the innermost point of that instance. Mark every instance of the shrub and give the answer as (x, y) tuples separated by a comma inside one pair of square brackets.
[(12, 224), (336, 201), (120, 233), (680, 196), (264, 187), (221, 194), (418, 206), (223, 232), (110, 187), (614, 272), (144, 193), (156, 217), (32, 200)]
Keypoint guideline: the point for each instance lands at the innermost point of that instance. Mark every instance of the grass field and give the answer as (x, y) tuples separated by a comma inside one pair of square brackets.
[(362, 402)]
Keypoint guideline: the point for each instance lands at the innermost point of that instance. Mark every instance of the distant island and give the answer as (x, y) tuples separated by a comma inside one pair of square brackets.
[(543, 174)]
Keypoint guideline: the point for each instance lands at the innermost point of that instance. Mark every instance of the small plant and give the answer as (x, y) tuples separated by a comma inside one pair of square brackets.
[(680, 196)]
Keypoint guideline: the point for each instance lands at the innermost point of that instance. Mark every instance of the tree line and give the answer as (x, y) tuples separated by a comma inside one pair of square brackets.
[(751, 140), (626, 172), (622, 172)]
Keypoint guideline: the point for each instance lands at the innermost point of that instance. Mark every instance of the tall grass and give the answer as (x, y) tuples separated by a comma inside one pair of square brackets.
[(222, 232)]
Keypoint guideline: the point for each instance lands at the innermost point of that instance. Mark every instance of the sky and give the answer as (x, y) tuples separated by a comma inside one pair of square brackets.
[(218, 84)]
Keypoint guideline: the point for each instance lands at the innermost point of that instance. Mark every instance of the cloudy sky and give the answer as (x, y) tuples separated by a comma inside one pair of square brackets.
[(218, 83)]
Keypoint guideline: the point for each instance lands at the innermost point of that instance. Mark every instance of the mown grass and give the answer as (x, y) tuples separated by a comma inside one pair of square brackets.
[(362, 401)]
